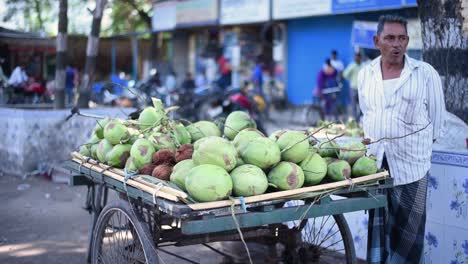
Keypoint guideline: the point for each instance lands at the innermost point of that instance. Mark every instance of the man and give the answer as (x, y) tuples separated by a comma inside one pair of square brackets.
[(71, 81), (335, 62), (18, 78), (403, 105), (257, 76), (350, 74)]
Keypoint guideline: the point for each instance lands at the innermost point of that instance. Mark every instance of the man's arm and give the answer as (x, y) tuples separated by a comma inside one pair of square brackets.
[(435, 102), (347, 71)]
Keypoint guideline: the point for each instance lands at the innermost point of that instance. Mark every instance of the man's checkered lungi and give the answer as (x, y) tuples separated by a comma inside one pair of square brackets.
[(396, 233)]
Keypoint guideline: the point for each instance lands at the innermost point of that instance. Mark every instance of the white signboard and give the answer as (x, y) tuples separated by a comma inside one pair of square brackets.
[(244, 11), (283, 9), (164, 16)]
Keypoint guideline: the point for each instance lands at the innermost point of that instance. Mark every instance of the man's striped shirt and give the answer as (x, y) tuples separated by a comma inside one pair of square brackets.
[(416, 103)]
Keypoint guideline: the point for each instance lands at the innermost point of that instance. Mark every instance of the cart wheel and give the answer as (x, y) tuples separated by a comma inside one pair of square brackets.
[(121, 237), (320, 240), (99, 200)]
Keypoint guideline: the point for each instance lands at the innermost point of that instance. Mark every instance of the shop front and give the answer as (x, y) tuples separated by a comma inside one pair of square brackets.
[(316, 27)]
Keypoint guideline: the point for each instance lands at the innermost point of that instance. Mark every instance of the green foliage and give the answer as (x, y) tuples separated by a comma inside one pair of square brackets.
[(36, 13), (129, 16)]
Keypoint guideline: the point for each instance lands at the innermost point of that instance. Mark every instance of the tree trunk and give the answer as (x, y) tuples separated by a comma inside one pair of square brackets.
[(446, 49), (91, 55), (61, 56)]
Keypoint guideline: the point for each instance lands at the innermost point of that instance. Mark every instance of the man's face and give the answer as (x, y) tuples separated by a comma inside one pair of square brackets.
[(392, 42)]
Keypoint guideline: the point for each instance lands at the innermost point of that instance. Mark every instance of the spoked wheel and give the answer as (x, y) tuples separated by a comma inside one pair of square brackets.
[(121, 237), (320, 240)]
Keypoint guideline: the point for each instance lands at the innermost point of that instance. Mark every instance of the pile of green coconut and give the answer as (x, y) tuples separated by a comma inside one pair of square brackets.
[(214, 161)]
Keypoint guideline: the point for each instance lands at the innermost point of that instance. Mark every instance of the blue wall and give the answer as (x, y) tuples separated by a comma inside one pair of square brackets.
[(310, 41)]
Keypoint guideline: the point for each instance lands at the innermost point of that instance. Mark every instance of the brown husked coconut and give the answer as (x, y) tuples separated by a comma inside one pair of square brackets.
[(184, 152), (164, 156), (147, 169), (162, 172)]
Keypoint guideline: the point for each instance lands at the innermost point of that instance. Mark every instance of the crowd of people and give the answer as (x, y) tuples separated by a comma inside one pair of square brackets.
[(22, 86)]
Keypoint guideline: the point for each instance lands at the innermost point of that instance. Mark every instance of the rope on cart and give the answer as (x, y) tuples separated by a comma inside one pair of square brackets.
[(242, 200), (233, 203), (156, 190), (128, 176)]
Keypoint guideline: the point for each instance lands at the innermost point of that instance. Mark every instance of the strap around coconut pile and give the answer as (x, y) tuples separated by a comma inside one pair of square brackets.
[(79, 167), (242, 200), (127, 177), (351, 183), (156, 190)]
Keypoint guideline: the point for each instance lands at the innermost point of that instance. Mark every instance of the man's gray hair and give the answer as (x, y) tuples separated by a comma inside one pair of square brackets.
[(391, 19)]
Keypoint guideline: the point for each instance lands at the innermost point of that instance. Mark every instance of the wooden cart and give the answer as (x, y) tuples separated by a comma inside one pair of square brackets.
[(307, 223)]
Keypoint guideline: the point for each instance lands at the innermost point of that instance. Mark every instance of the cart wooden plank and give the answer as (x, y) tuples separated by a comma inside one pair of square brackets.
[(285, 194)]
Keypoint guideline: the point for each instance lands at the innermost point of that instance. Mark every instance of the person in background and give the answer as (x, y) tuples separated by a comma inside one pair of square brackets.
[(327, 78), (188, 84), (257, 77), (226, 72), (402, 102), (170, 81), (71, 80), (350, 74), (335, 62), (18, 78)]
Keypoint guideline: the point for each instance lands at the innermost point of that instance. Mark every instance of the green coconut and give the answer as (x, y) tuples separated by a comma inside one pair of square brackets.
[(249, 180), (329, 160), (118, 155), (103, 148), (150, 117), (93, 150), (130, 166), (142, 152), (133, 135), (216, 151), (207, 183), (261, 152), (94, 139), (314, 168), (364, 166), (245, 136), (180, 172), (198, 142), (328, 149), (339, 170), (181, 134), (85, 150), (286, 176), (352, 151), (116, 132), (296, 144), (162, 141), (99, 127), (203, 129), (236, 122), (276, 135), (240, 161)]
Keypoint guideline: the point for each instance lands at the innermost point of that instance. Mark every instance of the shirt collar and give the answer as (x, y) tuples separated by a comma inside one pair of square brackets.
[(410, 64)]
